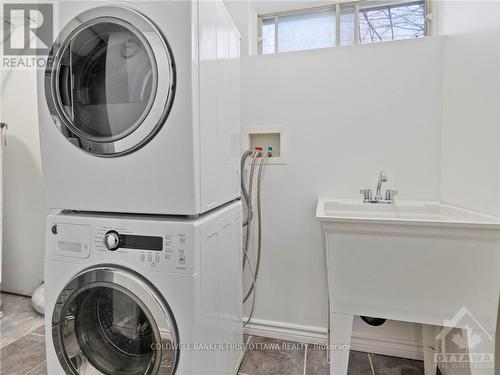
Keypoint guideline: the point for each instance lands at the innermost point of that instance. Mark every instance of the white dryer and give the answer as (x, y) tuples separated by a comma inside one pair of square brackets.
[(144, 295), (139, 107)]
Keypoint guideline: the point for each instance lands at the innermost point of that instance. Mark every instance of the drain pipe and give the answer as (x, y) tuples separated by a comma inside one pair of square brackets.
[(373, 321)]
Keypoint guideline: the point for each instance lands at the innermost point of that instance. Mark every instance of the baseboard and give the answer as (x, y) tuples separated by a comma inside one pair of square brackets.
[(377, 344), (285, 331), (395, 347)]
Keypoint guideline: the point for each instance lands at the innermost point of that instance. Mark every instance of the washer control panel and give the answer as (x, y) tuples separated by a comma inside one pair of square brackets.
[(111, 240), (164, 252)]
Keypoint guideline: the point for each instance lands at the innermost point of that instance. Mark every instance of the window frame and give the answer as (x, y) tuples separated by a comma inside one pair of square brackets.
[(337, 7)]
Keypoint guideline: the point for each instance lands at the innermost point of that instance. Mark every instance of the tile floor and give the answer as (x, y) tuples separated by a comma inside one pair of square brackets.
[(23, 350)]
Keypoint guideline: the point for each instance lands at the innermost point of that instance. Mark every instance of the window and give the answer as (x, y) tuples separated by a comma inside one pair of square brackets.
[(392, 22), (358, 22), (298, 31)]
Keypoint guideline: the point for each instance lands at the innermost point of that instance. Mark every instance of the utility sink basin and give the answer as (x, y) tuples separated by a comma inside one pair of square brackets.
[(402, 213), (422, 262)]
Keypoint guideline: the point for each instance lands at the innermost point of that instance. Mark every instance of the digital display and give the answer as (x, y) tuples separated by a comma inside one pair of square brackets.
[(128, 241)]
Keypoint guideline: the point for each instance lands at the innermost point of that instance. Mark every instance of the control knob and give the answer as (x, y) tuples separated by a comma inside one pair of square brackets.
[(111, 240)]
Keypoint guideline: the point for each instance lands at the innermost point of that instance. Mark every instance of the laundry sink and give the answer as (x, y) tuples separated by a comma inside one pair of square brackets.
[(402, 213), (412, 261)]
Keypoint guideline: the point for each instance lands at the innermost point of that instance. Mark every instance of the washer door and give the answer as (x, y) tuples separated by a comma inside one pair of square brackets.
[(110, 321), (110, 81)]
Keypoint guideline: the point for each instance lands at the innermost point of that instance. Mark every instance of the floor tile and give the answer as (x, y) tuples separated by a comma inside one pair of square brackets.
[(317, 362), (39, 331), (23, 355), (19, 318), (359, 364), (384, 365), (267, 356), (41, 369)]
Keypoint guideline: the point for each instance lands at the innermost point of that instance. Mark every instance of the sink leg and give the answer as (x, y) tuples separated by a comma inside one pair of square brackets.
[(428, 334), (340, 342), (487, 346)]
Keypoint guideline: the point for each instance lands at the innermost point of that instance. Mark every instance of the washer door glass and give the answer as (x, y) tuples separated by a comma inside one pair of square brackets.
[(104, 88), (105, 328), (107, 81)]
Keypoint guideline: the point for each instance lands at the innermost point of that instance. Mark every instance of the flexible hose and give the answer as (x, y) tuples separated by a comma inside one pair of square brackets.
[(253, 159), (259, 226), (247, 259), (244, 190), (248, 200)]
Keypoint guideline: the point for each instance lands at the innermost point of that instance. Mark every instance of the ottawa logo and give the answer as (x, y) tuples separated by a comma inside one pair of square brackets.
[(464, 343)]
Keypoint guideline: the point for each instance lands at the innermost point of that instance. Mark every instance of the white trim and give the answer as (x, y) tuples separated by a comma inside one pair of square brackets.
[(286, 331), (377, 344), (337, 25), (356, 25)]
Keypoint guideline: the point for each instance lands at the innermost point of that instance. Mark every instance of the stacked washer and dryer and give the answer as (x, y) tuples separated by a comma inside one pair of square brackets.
[(140, 136)]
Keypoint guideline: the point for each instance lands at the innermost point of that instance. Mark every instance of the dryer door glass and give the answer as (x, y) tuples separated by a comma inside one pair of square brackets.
[(105, 328), (107, 81), (111, 80)]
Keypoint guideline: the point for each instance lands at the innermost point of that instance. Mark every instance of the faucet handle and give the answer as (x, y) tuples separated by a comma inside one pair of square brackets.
[(390, 194), (367, 194)]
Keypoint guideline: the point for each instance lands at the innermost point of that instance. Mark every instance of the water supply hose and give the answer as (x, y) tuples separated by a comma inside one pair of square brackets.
[(244, 190), (249, 218), (259, 225)]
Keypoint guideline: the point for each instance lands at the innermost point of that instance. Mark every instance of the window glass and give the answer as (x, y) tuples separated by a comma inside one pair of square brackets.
[(393, 22), (306, 31), (268, 35), (375, 21), (111, 331), (106, 81)]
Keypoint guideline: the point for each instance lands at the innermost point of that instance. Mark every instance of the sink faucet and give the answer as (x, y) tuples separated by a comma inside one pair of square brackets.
[(389, 194), (381, 179)]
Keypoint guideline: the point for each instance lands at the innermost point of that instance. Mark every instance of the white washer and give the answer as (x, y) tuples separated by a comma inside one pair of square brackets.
[(139, 107), (144, 295)]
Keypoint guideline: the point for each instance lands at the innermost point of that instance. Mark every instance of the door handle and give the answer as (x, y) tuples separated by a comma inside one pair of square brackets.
[(3, 133)]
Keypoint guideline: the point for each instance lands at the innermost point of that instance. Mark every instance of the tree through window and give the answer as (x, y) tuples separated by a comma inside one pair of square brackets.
[(392, 22), (353, 23)]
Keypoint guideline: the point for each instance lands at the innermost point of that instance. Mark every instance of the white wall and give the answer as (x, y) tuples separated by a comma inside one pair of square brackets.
[(24, 210), (348, 113), (471, 104)]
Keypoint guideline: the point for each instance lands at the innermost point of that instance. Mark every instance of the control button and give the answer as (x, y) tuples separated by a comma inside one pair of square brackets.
[(182, 259), (182, 238), (143, 257), (54, 229), (157, 258), (111, 240), (150, 258)]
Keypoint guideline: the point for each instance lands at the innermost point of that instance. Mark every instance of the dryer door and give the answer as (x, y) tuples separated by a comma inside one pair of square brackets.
[(110, 81), (110, 321)]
